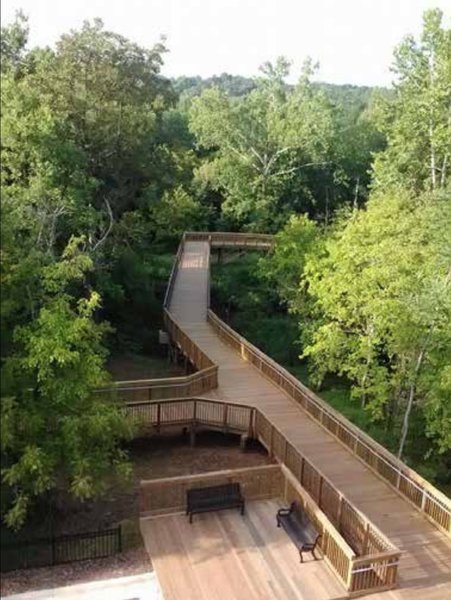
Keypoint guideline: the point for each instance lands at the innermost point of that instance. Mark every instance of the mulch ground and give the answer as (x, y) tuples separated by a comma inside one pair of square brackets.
[(131, 562), (166, 456)]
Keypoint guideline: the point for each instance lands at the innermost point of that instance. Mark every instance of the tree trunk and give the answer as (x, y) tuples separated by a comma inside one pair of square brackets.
[(433, 161), (412, 389)]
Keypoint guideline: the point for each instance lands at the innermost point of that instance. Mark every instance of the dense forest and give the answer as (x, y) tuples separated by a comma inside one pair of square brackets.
[(106, 162)]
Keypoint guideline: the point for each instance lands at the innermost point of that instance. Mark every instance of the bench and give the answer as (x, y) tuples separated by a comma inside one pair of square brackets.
[(299, 527), (215, 497)]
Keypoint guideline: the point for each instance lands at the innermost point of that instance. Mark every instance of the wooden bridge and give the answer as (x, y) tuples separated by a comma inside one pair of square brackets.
[(383, 525)]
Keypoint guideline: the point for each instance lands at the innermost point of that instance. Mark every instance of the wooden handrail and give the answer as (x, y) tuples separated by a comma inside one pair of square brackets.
[(219, 239), (322, 517), (363, 560), (171, 387), (151, 383), (168, 481), (193, 411), (212, 401), (172, 276)]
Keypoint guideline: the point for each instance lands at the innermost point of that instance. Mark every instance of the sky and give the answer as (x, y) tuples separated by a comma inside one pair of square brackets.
[(353, 40)]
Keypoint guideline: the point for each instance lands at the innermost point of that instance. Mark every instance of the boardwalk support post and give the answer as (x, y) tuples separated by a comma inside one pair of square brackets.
[(243, 441)]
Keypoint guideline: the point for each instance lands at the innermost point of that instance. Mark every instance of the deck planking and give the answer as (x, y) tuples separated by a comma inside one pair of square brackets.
[(224, 556)]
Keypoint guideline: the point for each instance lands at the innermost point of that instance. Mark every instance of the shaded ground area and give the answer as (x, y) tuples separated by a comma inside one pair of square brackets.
[(124, 367), (166, 456)]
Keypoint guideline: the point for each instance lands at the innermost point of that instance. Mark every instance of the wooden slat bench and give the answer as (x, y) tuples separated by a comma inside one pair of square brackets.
[(216, 497), (299, 527)]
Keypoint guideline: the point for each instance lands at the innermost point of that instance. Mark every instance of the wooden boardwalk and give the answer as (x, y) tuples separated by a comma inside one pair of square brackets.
[(425, 569), (223, 556)]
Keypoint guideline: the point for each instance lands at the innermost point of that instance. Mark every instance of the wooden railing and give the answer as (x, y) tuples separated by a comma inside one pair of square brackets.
[(334, 547), (158, 389), (365, 539), (189, 348), (411, 486), (172, 276), (226, 416), (373, 573), (219, 239)]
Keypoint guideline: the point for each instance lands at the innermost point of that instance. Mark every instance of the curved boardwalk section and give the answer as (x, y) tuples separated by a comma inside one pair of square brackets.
[(425, 568)]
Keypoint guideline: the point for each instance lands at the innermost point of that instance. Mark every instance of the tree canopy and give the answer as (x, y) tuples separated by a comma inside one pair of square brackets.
[(106, 162)]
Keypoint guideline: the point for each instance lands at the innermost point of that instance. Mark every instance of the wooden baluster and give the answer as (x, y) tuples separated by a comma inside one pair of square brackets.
[(271, 442), (365, 539), (340, 506), (224, 416)]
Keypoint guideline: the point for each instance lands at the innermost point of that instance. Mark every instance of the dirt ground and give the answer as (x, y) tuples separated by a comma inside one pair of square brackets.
[(152, 458), (127, 367)]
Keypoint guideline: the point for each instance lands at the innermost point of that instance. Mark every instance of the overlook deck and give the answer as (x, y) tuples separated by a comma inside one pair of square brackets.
[(425, 566), (225, 556)]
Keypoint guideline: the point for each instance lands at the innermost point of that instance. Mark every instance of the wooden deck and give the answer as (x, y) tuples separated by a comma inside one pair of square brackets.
[(223, 556), (425, 569)]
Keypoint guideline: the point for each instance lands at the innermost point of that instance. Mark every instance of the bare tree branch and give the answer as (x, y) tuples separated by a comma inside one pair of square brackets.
[(108, 229)]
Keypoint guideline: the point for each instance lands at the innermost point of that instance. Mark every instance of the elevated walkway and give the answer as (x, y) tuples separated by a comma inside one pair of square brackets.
[(425, 567)]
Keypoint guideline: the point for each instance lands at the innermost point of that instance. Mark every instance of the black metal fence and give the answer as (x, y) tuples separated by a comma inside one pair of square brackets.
[(45, 552)]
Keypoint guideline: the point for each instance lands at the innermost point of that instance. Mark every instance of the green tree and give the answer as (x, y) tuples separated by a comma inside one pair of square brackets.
[(176, 213), (56, 432), (417, 119), (263, 144), (381, 300), (13, 41)]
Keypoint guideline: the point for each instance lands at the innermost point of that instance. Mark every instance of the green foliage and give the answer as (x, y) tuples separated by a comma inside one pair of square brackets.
[(373, 291), (281, 149), (84, 138), (234, 85), (416, 119), (373, 295), (13, 42), (102, 171), (176, 213), (55, 430), (241, 294), (286, 262), (263, 146)]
